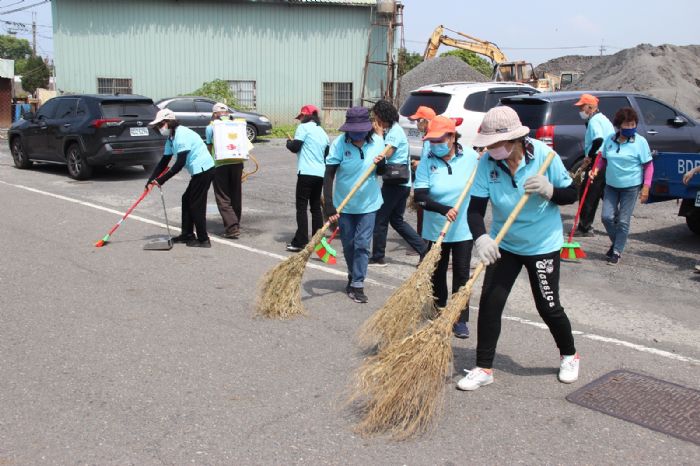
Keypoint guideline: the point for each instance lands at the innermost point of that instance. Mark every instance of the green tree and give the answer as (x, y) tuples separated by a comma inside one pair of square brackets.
[(408, 61), (36, 74), (12, 48), (480, 64), (218, 90)]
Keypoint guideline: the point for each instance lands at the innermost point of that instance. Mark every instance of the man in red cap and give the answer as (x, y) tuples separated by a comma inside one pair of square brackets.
[(598, 128)]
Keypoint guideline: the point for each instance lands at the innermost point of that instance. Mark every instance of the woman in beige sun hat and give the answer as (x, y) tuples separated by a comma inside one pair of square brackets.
[(508, 170)]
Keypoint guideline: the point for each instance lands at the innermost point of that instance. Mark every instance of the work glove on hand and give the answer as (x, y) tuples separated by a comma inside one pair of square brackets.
[(539, 184), (487, 249)]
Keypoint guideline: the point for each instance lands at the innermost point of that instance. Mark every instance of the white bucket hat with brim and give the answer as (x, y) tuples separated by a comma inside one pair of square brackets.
[(499, 124), (162, 115), (219, 107)]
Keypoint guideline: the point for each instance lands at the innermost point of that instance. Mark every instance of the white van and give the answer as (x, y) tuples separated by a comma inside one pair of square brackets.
[(466, 102)]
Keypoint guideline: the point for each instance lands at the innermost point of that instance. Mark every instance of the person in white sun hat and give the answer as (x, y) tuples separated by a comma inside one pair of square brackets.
[(507, 170), (191, 153)]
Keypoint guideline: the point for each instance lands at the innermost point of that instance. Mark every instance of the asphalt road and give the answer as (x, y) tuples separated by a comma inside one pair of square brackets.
[(123, 356)]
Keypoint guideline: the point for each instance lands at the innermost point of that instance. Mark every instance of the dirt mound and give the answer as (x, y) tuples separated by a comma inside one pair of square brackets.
[(435, 71), (568, 63), (668, 72)]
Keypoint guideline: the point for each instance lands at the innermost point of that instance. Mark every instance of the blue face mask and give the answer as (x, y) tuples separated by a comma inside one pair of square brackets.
[(440, 149), (357, 135), (628, 132)]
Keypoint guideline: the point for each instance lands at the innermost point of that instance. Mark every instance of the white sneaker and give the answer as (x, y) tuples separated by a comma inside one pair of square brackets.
[(474, 379), (568, 369)]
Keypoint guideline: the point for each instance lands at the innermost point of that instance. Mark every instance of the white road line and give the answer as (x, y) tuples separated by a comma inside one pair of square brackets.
[(540, 325)]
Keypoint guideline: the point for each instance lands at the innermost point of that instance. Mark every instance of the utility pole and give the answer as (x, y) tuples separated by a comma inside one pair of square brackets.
[(34, 33)]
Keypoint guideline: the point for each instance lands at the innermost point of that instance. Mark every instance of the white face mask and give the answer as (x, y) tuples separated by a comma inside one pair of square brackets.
[(164, 131), (583, 115), (500, 153)]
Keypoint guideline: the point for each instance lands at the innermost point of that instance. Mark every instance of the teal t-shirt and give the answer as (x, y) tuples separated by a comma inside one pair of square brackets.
[(445, 182), (538, 228), (352, 162), (310, 159), (624, 161), (598, 127), (198, 160), (396, 137)]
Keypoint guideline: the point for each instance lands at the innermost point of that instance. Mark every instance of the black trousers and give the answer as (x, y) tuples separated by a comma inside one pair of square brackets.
[(228, 194), (391, 212), (194, 205), (308, 196), (461, 257), (543, 271), (595, 193)]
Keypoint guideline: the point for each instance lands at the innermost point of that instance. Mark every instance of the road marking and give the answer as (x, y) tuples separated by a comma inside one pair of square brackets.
[(215, 239)]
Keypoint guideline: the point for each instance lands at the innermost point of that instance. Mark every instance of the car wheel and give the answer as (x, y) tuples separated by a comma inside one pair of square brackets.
[(252, 132), (693, 221), (18, 155), (78, 167)]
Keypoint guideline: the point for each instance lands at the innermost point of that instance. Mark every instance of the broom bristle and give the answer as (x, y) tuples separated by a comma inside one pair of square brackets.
[(405, 309), (580, 254), (280, 287), (400, 390)]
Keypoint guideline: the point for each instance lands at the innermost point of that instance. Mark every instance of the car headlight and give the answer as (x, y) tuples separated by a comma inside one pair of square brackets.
[(264, 119)]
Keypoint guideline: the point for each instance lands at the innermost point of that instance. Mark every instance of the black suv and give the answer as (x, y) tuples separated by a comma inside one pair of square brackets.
[(553, 118), (84, 131), (195, 113)]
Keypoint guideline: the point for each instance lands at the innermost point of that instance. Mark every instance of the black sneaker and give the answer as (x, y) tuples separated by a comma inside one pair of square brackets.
[(614, 259), (377, 262), (184, 238), (584, 233), (293, 248), (610, 252), (195, 243), (357, 294), (347, 287)]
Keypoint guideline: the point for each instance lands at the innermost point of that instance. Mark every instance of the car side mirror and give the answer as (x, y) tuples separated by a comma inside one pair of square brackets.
[(29, 116), (677, 122)]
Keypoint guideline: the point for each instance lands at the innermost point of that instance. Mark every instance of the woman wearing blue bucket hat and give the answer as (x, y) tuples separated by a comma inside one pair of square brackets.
[(350, 155)]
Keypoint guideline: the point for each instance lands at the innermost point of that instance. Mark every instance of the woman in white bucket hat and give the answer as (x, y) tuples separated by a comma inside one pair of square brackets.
[(507, 170)]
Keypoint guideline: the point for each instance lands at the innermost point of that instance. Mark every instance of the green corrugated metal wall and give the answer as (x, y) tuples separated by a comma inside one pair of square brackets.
[(171, 47)]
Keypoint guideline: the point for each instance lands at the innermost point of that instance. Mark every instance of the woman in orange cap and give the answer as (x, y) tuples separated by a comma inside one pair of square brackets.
[(422, 117)]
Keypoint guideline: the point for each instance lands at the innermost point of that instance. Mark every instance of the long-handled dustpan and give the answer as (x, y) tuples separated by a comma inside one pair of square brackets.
[(164, 243)]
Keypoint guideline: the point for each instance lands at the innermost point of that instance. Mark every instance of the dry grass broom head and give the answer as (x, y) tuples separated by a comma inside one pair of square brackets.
[(405, 309), (280, 287)]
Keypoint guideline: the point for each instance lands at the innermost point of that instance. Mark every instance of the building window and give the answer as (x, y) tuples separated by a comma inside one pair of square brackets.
[(245, 94), (337, 95), (114, 85)]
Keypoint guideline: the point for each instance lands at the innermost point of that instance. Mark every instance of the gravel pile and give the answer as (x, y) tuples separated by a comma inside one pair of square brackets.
[(668, 72), (568, 63), (435, 71)]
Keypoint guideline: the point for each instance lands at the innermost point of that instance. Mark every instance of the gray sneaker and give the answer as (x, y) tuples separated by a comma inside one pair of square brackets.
[(357, 294)]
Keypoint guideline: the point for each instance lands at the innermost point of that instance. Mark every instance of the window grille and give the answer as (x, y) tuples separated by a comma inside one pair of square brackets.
[(337, 95), (114, 85)]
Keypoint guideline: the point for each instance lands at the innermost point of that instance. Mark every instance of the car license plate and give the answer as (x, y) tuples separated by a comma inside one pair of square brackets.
[(138, 131), (697, 199), (413, 133)]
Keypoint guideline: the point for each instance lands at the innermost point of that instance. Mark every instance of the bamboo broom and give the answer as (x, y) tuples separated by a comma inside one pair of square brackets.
[(401, 388), (403, 311), (280, 287)]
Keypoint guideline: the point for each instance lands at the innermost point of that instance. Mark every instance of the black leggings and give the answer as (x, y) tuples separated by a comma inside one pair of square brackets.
[(308, 196), (461, 257), (543, 271), (194, 205)]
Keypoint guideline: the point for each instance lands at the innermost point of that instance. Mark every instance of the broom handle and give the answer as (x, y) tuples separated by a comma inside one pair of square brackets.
[(458, 204), (466, 289), (582, 201), (335, 232)]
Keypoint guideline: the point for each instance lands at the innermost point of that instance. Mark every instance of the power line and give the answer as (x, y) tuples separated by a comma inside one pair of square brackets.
[(22, 8)]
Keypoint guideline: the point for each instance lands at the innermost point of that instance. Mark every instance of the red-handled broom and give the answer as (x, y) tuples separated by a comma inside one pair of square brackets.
[(106, 237), (324, 250), (572, 251)]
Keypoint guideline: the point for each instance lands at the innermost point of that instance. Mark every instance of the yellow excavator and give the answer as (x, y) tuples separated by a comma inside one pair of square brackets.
[(503, 70)]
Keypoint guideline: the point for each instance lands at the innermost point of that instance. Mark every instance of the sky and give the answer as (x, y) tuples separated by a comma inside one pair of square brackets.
[(534, 31)]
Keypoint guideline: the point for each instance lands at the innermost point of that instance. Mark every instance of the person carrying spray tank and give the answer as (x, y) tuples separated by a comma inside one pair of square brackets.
[(190, 152), (310, 143), (350, 155), (422, 117), (440, 180), (395, 195), (628, 173), (598, 128), (227, 178), (506, 172)]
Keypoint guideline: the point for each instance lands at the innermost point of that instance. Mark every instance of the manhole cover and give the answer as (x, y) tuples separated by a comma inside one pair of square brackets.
[(645, 401)]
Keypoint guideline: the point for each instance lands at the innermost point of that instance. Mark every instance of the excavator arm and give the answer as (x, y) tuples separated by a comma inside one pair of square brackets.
[(476, 45)]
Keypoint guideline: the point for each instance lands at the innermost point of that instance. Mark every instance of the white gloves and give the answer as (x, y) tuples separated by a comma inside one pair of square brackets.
[(539, 184), (487, 249)]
